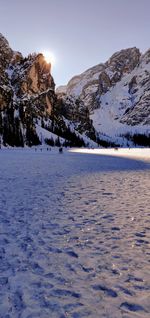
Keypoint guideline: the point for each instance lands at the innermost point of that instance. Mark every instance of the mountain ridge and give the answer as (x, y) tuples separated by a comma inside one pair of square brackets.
[(117, 94), (105, 105)]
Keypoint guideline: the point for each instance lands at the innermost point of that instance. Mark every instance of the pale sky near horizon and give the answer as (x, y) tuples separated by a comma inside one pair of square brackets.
[(80, 33)]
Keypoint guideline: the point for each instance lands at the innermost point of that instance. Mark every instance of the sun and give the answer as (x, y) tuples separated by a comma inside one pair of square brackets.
[(49, 57)]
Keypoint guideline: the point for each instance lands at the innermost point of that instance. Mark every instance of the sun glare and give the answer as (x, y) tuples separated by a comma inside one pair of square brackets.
[(49, 57)]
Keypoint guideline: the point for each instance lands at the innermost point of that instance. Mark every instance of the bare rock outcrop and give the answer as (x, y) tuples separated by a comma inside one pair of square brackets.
[(22, 79), (27, 92), (6, 54), (94, 82)]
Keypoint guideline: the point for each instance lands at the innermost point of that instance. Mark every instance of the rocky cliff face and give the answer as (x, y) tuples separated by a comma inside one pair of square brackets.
[(5, 57), (98, 79), (116, 94), (6, 54), (29, 110), (26, 92)]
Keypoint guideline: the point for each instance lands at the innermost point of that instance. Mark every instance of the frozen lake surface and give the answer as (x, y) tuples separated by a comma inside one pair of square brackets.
[(74, 235)]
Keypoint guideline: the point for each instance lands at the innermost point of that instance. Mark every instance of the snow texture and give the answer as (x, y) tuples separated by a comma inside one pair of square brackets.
[(74, 235)]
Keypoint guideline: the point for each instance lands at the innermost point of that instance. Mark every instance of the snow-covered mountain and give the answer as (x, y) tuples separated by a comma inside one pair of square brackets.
[(30, 113), (108, 104), (117, 95)]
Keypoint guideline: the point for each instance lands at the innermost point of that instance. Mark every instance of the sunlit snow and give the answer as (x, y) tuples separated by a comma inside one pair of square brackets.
[(74, 234)]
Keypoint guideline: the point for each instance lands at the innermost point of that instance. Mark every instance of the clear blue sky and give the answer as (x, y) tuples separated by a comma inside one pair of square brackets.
[(81, 33)]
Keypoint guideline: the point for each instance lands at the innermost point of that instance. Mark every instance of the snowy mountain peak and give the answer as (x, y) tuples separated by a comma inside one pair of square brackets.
[(116, 94)]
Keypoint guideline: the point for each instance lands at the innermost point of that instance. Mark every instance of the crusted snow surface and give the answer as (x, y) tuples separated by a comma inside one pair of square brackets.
[(74, 235), (136, 153)]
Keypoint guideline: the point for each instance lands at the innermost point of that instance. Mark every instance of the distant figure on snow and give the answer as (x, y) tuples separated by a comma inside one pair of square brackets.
[(61, 150)]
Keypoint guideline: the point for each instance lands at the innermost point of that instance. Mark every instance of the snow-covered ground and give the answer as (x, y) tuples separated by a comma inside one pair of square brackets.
[(139, 153), (74, 235)]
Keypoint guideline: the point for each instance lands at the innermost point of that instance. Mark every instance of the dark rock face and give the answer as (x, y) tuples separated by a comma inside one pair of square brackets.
[(27, 90), (28, 102), (6, 54), (139, 90), (31, 75), (139, 114), (5, 57), (104, 83), (75, 111), (123, 62)]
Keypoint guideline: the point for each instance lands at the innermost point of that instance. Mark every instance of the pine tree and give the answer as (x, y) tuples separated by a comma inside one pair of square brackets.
[(57, 142)]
